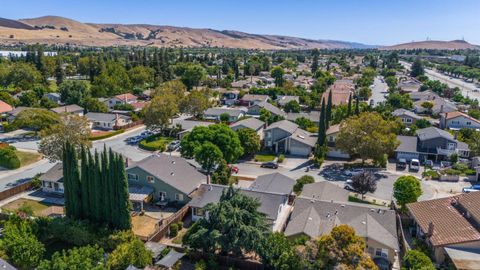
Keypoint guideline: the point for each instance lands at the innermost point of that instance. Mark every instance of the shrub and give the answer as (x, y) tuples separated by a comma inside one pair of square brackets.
[(173, 230), (107, 135), (281, 158), (8, 158), (154, 144), (432, 174), (306, 179), (201, 265)]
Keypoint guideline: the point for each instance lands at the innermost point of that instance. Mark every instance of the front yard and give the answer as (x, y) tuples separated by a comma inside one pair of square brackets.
[(155, 143), (264, 157), (25, 205), (27, 158)]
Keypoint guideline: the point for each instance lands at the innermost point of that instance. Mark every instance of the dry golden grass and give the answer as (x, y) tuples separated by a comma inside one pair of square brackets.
[(144, 226)]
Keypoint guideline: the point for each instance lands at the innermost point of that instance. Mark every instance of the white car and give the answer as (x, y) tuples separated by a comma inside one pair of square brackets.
[(353, 172), (414, 165)]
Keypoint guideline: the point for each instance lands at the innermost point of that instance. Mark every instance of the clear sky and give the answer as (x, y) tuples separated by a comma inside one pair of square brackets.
[(377, 22)]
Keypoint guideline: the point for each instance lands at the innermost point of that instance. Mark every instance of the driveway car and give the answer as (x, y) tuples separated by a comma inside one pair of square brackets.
[(270, 164), (401, 164)]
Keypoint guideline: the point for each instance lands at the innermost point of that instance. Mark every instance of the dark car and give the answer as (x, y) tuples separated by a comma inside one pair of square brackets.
[(401, 164), (270, 164)]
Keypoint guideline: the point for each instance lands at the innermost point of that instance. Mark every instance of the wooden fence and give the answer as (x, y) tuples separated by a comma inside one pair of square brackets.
[(15, 190), (165, 224), (127, 126)]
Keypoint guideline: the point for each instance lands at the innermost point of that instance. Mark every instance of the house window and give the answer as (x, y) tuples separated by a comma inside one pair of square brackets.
[(469, 123), (451, 146), (198, 212), (150, 179), (162, 195), (179, 197), (268, 134), (132, 177), (408, 120), (381, 252)]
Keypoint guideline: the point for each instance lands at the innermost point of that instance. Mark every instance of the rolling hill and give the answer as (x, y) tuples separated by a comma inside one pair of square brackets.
[(433, 44), (59, 30)]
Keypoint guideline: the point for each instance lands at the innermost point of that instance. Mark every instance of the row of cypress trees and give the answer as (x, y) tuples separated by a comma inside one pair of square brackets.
[(96, 189)]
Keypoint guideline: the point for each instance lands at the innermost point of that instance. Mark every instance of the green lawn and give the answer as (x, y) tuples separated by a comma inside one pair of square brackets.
[(264, 157), (27, 205), (357, 200), (158, 143), (27, 158)]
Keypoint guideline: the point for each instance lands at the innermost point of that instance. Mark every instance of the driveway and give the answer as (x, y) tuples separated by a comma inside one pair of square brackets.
[(379, 89)]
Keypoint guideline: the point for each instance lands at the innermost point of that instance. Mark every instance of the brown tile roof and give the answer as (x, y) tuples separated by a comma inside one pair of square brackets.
[(451, 115), (126, 96), (450, 226), (471, 203), (338, 96), (5, 107), (333, 129)]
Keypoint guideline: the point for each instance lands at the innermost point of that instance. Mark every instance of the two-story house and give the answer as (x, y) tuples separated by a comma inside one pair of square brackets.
[(234, 114), (430, 143), (286, 137), (171, 178), (251, 123), (407, 117), (457, 120), (333, 152), (256, 109)]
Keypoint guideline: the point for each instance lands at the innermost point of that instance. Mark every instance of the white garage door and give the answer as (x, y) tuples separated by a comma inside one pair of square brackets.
[(299, 150), (406, 155)]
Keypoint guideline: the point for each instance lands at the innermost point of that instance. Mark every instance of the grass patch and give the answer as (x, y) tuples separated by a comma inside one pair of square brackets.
[(27, 158), (26, 205), (155, 143), (264, 157), (357, 200), (179, 238), (102, 136)]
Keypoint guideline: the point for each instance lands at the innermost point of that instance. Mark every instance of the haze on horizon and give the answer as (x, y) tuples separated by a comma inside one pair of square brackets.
[(374, 22)]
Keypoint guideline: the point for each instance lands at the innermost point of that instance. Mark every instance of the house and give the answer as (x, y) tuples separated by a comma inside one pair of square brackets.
[(5, 265), (256, 109), (273, 205), (251, 123), (249, 99), (5, 107), (333, 152), (229, 98), (424, 95), (457, 120), (440, 106), (107, 121), (172, 178), (407, 117), (233, 114), (408, 84), (341, 90), (126, 98), (273, 182), (11, 115), (52, 180), (313, 116), (54, 97), (156, 249), (448, 223), (377, 225), (282, 100), (187, 125), (325, 191), (430, 144), (70, 109), (286, 137)]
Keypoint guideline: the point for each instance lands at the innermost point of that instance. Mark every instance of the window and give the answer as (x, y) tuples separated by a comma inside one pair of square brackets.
[(132, 177), (408, 120), (162, 196), (451, 146), (179, 197), (381, 252), (268, 134), (198, 212), (150, 179), (469, 123)]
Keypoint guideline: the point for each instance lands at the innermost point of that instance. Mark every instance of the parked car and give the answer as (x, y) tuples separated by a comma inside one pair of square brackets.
[(135, 140), (471, 189), (173, 145), (270, 164), (428, 163), (234, 169), (414, 165), (352, 172), (146, 133), (401, 164), (372, 102), (349, 185)]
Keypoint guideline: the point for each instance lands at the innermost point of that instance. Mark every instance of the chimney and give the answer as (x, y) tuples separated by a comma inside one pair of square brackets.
[(441, 108), (208, 179), (431, 228), (126, 162)]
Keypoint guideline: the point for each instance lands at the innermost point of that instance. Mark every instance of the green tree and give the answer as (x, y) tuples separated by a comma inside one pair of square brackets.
[(304, 123), (292, 106), (367, 136), (132, 252), (306, 179), (195, 103), (23, 76), (193, 75), (160, 111), (277, 73), (80, 258), (73, 92), (417, 68), (7, 98), (349, 108), (208, 155), (399, 101), (91, 104), (59, 72), (142, 76), (28, 99), (113, 80), (36, 119), (249, 140), (407, 189), (224, 118), (415, 259), (364, 182), (277, 252), (328, 111), (222, 174)]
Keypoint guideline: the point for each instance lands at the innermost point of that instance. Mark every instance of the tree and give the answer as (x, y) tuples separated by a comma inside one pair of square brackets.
[(174, 87), (59, 72), (328, 111), (222, 174), (277, 252), (193, 75), (399, 101), (415, 259), (73, 92), (20, 243), (306, 179), (160, 111), (417, 68), (364, 182), (195, 103), (28, 99), (225, 118), (36, 119), (349, 108), (343, 249), (277, 73), (367, 136), (219, 134), (132, 252), (407, 189), (81, 258), (249, 140), (208, 155), (357, 105), (292, 106), (71, 128), (91, 104), (304, 123), (113, 80), (314, 66), (142, 76), (234, 226), (23, 76)]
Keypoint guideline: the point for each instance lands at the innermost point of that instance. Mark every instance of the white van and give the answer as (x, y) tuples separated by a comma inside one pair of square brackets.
[(414, 165)]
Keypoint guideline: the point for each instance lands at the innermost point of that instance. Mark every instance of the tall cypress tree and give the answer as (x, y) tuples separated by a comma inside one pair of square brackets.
[(72, 186), (113, 194), (84, 176), (349, 108), (98, 189), (328, 116), (105, 183), (67, 178), (357, 106), (322, 126), (125, 221)]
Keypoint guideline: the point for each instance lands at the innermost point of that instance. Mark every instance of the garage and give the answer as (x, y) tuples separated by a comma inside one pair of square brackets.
[(297, 148), (407, 155)]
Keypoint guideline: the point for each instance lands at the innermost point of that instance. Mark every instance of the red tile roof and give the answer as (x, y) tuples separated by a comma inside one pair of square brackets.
[(5, 107), (126, 96), (455, 114)]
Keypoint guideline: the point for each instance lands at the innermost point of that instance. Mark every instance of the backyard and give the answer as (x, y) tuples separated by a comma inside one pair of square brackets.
[(25, 205)]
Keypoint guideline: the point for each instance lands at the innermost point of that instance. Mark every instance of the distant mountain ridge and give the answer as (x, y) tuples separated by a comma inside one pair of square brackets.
[(433, 44), (59, 30)]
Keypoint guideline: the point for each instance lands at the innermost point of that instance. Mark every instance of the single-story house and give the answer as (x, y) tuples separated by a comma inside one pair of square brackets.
[(273, 205), (457, 120), (70, 109), (250, 99), (215, 113), (325, 191), (282, 100), (188, 125), (407, 117), (52, 180), (440, 106), (55, 97), (256, 109), (126, 98), (273, 182), (333, 152), (5, 107), (107, 121), (451, 222), (286, 137), (172, 178), (251, 123), (377, 225)]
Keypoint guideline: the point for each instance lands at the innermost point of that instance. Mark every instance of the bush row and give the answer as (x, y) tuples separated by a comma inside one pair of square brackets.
[(107, 135), (8, 158)]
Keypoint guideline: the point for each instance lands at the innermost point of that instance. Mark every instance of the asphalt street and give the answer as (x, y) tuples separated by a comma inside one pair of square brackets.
[(379, 89)]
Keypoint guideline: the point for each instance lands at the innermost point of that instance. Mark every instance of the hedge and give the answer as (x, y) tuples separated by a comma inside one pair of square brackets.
[(107, 135), (8, 158), (155, 143)]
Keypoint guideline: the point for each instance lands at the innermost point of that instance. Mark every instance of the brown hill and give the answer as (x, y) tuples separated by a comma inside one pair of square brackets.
[(433, 44), (59, 30)]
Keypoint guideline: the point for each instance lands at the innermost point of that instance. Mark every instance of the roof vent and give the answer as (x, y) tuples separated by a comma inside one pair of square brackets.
[(364, 222), (173, 161), (310, 218), (172, 173), (343, 205), (336, 212), (372, 210)]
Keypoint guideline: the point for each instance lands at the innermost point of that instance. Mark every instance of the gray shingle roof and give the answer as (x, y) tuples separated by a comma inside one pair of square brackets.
[(67, 109), (304, 137), (220, 111), (251, 123), (313, 116), (211, 193), (282, 100), (155, 247), (325, 191), (274, 182), (432, 133), (175, 171), (55, 174), (5, 265), (407, 144), (315, 218), (251, 97), (170, 259), (269, 107), (400, 112), (104, 117), (284, 125)]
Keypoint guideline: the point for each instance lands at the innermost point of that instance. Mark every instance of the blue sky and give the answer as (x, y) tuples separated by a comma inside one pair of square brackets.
[(380, 22)]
